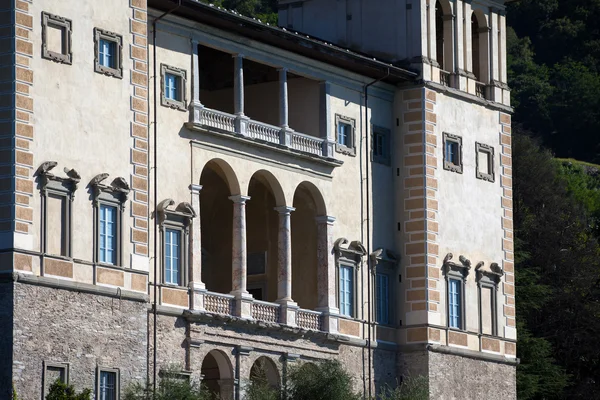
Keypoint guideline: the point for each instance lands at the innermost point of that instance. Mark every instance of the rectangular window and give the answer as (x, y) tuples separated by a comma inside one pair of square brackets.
[(108, 234), (487, 310), (346, 290), (382, 287), (107, 50), (54, 372), (344, 130), (485, 162), (453, 153), (344, 134), (56, 38), (56, 225), (455, 303), (108, 385), (380, 146), (171, 87), (172, 256)]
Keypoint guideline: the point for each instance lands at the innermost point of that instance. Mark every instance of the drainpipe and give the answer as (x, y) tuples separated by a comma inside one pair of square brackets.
[(368, 230), (155, 151)]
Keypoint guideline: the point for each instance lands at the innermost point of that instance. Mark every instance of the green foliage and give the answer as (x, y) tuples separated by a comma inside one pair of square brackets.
[(324, 381), (265, 10), (14, 392), (172, 386), (410, 389), (62, 391), (259, 387)]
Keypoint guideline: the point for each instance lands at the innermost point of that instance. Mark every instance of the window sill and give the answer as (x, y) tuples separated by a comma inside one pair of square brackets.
[(342, 149)]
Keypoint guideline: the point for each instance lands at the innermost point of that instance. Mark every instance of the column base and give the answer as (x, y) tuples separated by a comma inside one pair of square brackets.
[(241, 124), (196, 114), (330, 319), (285, 136), (243, 304), (197, 292), (287, 312)]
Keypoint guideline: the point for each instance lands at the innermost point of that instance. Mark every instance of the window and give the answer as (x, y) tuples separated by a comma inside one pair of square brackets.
[(454, 303), (56, 38), (107, 384), (485, 162), (57, 197), (346, 286), (108, 234), (453, 153), (174, 229), (345, 132), (488, 280), (383, 309), (108, 49), (380, 150), (173, 92), (54, 371), (109, 205), (172, 256)]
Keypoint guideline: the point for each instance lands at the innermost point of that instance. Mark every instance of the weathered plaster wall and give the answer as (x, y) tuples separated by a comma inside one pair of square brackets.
[(81, 329)]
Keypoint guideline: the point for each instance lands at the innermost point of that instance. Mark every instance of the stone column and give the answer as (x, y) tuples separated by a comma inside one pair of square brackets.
[(493, 53), (285, 135), (284, 268), (239, 258), (326, 276), (241, 121), (195, 104), (468, 37), (198, 288), (325, 128)]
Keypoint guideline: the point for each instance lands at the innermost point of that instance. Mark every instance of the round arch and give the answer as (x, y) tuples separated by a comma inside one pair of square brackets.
[(316, 196), (444, 6), (264, 370), (269, 180), (224, 170), (479, 16), (217, 373)]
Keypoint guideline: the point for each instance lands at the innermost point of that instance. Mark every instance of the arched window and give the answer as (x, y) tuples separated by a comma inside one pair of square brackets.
[(475, 46), (444, 45), (480, 46), (439, 34)]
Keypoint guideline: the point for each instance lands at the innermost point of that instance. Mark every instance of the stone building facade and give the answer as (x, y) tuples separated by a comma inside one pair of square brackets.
[(183, 187)]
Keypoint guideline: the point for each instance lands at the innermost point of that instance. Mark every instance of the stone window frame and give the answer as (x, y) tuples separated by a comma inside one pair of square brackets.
[(386, 156), (179, 219), (340, 148), (488, 279), (117, 372), (53, 364), (450, 166), (65, 25), (386, 263), (349, 256), (114, 195), (489, 150), (456, 271), (181, 74), (118, 40), (52, 185)]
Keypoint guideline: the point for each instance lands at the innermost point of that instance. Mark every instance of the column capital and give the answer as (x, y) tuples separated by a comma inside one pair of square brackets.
[(325, 219), (239, 199), (195, 188), (284, 209), (238, 55)]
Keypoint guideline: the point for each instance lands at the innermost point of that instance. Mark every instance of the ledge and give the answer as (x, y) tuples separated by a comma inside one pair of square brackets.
[(56, 283), (455, 351), (459, 94)]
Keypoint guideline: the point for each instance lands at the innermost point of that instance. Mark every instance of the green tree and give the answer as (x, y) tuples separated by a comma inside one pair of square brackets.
[(171, 386), (61, 391), (410, 389), (323, 381)]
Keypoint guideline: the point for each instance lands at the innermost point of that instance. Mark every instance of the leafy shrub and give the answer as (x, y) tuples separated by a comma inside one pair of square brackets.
[(324, 381), (259, 387), (170, 387), (410, 389), (61, 391)]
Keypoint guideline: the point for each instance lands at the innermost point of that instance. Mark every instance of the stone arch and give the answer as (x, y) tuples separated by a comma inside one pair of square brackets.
[(269, 180), (309, 205), (264, 370), (224, 170), (217, 374)]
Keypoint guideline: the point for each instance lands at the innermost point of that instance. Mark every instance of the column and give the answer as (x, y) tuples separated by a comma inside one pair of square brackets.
[(326, 276), (285, 135), (325, 128), (493, 52), (239, 258), (284, 255), (468, 37), (196, 285), (196, 105), (241, 121)]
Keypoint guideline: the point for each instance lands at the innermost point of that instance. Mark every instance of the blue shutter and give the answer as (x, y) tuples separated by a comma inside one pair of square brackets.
[(454, 303), (172, 256), (382, 312), (108, 234)]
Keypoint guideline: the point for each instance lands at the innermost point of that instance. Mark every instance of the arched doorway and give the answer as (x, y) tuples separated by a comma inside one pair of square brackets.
[(216, 212), (309, 205), (264, 372), (262, 224), (217, 375)]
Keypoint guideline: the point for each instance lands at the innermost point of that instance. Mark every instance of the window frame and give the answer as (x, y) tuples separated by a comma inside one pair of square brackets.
[(488, 279), (459, 272), (52, 185), (342, 148), (351, 267), (116, 238), (350, 256), (53, 364), (179, 220), (64, 24), (385, 133), (181, 77), (449, 165), (117, 373), (489, 150), (460, 293), (101, 34), (113, 195)]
